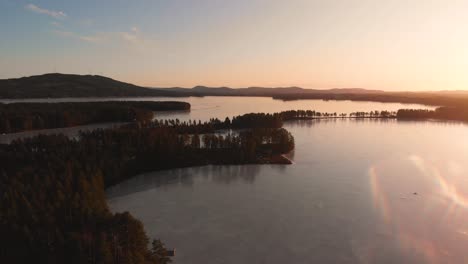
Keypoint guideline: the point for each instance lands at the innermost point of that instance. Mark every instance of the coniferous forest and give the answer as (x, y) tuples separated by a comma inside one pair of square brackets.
[(441, 113), (52, 187), (17, 117)]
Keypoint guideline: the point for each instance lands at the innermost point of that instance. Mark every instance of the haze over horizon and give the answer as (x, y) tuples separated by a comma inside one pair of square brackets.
[(391, 45)]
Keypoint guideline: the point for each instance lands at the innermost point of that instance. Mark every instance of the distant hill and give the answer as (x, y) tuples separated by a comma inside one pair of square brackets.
[(453, 92), (56, 85), (264, 91), (435, 98)]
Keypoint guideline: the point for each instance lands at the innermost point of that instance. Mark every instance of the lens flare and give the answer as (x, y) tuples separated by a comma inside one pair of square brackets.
[(441, 204), (380, 199), (447, 188), (428, 249)]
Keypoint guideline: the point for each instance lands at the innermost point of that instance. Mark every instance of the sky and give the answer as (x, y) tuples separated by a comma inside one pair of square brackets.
[(374, 44)]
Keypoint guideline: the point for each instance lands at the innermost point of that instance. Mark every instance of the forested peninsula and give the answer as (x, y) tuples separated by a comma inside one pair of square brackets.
[(16, 117), (53, 203)]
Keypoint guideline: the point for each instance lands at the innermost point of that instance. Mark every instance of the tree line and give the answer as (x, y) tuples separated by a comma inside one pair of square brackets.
[(312, 114), (426, 98), (459, 113), (253, 120), (442, 113), (52, 187), (246, 121), (17, 117)]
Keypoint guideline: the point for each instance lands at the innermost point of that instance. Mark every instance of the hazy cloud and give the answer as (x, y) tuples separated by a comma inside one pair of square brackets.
[(130, 37), (86, 22), (133, 37), (136, 37), (88, 38), (56, 24), (52, 13)]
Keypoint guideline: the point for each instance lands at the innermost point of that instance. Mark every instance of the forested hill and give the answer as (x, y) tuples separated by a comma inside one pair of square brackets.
[(56, 85)]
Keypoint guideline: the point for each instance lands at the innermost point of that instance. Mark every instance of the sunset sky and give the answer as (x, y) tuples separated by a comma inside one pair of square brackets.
[(388, 45)]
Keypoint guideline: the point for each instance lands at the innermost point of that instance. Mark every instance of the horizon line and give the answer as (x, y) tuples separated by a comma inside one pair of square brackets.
[(247, 87)]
